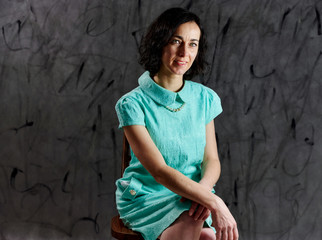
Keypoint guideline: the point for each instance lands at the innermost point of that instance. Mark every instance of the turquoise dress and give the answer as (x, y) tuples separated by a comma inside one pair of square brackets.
[(143, 204)]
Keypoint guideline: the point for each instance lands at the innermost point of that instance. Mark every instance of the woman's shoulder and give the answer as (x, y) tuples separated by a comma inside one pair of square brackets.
[(134, 95), (201, 89), (129, 109)]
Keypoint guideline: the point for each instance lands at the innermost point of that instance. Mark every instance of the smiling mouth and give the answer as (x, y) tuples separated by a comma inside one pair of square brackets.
[(181, 63)]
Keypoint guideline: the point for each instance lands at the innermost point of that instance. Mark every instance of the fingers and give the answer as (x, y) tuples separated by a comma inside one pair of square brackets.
[(235, 232), (198, 212), (218, 235), (224, 235), (224, 222), (193, 208), (206, 214), (202, 213), (230, 234), (227, 234)]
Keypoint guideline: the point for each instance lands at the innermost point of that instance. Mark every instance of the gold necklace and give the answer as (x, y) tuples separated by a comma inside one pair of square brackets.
[(175, 109)]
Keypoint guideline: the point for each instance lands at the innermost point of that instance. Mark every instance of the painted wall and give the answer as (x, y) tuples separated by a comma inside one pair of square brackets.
[(64, 64)]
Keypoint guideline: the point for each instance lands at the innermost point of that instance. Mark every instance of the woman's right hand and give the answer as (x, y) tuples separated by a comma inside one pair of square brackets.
[(223, 221)]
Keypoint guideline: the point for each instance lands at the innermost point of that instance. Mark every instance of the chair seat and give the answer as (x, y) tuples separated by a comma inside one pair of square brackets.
[(119, 231)]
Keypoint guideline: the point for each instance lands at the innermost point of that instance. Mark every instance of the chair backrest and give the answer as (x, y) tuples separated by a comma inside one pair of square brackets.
[(126, 154)]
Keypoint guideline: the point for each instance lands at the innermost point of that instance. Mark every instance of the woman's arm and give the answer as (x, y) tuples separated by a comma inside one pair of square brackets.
[(152, 160), (210, 171), (211, 163)]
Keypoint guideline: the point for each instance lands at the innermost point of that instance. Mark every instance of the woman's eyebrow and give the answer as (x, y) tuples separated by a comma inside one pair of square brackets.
[(193, 39)]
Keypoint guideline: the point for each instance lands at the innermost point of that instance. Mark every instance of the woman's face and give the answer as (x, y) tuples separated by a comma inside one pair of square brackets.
[(178, 55)]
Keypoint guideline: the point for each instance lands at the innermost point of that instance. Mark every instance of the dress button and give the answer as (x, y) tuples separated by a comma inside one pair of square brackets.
[(132, 192)]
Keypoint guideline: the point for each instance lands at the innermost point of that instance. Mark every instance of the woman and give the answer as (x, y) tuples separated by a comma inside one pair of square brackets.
[(167, 190)]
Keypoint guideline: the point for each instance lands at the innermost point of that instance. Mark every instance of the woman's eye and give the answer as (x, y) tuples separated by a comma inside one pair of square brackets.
[(193, 44), (175, 41)]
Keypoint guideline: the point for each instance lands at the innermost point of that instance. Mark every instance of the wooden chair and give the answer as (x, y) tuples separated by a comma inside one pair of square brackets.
[(118, 230)]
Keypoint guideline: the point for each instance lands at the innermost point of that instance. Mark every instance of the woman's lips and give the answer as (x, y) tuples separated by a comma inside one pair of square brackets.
[(181, 63)]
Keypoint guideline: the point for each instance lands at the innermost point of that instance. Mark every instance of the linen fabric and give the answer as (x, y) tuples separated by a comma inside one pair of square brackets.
[(143, 204)]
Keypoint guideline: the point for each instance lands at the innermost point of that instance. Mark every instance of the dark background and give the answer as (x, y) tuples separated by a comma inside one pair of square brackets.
[(64, 64)]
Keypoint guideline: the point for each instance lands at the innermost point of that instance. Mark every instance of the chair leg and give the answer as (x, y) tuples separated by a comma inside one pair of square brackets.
[(121, 232)]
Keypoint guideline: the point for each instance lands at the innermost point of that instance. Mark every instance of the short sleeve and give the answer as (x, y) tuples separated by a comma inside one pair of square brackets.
[(129, 112), (213, 105)]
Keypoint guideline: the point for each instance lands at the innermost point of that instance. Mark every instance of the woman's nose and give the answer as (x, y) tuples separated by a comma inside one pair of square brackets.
[(183, 50)]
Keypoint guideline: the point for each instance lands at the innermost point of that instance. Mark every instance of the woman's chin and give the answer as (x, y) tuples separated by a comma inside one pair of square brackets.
[(180, 71)]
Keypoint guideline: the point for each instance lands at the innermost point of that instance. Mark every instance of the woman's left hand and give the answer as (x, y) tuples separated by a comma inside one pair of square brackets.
[(197, 211)]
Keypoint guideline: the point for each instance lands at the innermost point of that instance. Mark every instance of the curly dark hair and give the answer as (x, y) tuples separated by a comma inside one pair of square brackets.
[(158, 36)]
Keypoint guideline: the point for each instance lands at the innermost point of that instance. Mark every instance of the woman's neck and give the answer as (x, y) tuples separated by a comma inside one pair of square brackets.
[(172, 83)]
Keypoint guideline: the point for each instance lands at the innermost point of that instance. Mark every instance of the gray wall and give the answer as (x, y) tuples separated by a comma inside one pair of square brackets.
[(64, 64)]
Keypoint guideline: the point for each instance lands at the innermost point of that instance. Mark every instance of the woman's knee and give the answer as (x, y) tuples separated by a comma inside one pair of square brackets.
[(185, 227), (207, 234), (184, 217)]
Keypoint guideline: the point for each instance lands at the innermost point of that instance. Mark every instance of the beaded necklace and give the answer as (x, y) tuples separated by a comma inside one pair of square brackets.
[(175, 109)]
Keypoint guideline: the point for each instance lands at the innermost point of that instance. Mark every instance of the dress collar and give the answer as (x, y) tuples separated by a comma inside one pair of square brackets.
[(161, 95)]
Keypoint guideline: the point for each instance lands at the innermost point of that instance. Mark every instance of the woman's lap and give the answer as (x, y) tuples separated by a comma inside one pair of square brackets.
[(185, 227)]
